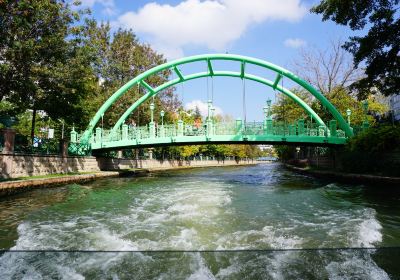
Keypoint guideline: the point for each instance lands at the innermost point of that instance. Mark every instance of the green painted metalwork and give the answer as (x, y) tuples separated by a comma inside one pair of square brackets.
[(208, 58), (238, 132), (277, 79), (234, 132), (285, 91)]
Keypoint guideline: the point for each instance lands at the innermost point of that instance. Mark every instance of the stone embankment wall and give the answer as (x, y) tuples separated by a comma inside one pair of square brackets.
[(322, 162), (12, 187), (15, 166), (151, 164)]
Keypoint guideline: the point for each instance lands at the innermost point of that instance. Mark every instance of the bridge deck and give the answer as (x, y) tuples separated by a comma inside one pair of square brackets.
[(221, 139), (216, 133)]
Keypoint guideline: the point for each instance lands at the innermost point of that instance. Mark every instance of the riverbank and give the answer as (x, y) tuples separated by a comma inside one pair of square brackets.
[(116, 169), (16, 186), (347, 177), (17, 166)]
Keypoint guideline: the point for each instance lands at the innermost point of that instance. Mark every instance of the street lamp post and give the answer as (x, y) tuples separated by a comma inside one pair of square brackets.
[(162, 113), (269, 108), (348, 112), (265, 110), (152, 111), (267, 117), (151, 125)]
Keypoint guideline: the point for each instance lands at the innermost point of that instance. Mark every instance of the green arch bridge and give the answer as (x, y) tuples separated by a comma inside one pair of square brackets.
[(121, 136)]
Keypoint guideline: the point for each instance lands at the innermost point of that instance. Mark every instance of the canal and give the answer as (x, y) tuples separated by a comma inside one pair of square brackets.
[(248, 222)]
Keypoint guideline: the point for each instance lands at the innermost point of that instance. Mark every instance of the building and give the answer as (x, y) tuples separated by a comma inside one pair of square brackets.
[(394, 104)]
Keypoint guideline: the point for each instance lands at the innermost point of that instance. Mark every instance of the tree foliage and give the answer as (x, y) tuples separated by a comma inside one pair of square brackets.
[(379, 48), (43, 65), (375, 151), (118, 58), (287, 111), (327, 68)]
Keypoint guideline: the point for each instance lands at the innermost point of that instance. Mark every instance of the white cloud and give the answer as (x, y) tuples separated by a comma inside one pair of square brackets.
[(212, 23), (203, 107), (108, 5), (294, 43)]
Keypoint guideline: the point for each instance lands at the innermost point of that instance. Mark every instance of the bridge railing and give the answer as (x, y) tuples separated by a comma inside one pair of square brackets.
[(214, 129), (225, 129)]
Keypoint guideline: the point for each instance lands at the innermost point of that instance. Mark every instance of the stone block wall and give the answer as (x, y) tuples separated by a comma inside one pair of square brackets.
[(14, 166), (115, 163)]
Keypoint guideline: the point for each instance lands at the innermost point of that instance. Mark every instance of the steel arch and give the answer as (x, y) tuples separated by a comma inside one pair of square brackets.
[(208, 58)]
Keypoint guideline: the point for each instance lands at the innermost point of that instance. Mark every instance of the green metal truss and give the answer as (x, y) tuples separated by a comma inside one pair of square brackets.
[(209, 58), (228, 133)]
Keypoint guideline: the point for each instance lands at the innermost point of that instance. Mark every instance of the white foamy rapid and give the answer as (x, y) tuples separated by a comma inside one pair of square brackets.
[(240, 209)]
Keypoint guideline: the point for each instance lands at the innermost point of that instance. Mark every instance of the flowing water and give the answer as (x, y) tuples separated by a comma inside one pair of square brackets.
[(259, 211)]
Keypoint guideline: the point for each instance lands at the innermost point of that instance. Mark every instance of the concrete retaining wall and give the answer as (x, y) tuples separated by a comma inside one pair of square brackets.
[(15, 166), (350, 178), (11, 187), (116, 164)]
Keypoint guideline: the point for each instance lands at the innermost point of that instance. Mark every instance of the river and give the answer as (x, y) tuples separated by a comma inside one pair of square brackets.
[(252, 222)]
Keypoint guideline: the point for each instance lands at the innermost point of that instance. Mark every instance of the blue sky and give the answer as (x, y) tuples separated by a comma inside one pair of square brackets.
[(273, 30)]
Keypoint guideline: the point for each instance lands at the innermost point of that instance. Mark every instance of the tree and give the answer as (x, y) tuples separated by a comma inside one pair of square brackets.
[(342, 100), (197, 114), (118, 58), (327, 68), (379, 49), (42, 64), (287, 111)]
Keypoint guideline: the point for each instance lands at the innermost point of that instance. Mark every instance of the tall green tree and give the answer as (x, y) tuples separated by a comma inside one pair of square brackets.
[(118, 58), (379, 48), (42, 64), (287, 111)]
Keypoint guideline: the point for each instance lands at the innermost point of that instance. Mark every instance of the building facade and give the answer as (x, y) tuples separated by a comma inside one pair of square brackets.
[(395, 106)]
